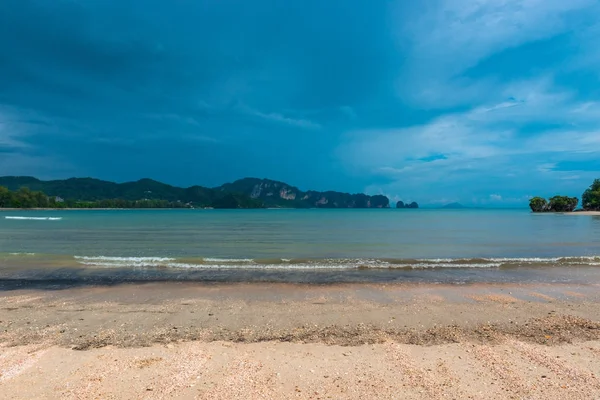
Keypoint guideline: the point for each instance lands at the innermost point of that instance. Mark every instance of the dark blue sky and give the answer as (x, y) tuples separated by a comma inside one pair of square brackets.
[(442, 100)]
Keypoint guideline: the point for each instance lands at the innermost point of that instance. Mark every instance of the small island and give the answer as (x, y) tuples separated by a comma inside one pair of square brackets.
[(590, 202), (401, 204)]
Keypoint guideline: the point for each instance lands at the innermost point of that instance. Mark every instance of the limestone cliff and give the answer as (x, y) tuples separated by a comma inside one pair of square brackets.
[(280, 194), (401, 204)]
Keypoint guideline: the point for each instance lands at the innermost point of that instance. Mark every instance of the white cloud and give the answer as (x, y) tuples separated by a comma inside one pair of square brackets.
[(180, 119), (12, 129), (448, 37), (280, 118), (588, 58), (43, 167), (475, 29), (349, 112), (23, 158), (515, 129), (486, 143)]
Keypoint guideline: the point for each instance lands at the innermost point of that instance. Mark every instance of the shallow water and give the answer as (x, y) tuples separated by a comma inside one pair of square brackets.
[(298, 246)]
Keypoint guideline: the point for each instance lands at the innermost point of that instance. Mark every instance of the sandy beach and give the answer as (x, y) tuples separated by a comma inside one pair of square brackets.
[(247, 341)]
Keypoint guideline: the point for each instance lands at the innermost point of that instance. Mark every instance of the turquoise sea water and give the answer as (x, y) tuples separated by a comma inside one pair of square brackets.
[(297, 245)]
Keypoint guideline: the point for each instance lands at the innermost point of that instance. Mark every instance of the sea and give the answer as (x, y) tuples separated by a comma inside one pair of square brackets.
[(52, 249)]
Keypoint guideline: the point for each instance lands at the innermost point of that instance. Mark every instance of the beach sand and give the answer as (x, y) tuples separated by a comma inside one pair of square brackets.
[(597, 213), (272, 341)]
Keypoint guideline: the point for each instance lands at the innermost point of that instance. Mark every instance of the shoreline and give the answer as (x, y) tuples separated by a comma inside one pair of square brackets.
[(155, 341), (583, 213), (344, 314)]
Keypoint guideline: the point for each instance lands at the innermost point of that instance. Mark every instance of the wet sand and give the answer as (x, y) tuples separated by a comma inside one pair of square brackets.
[(250, 341)]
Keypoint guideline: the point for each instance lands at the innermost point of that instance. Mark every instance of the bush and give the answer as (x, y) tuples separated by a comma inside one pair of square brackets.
[(591, 197), (538, 204), (563, 203)]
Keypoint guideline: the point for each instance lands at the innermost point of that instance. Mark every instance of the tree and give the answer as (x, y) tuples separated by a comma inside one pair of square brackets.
[(563, 203), (229, 200), (5, 197), (40, 200), (591, 197), (538, 204), (236, 200), (24, 198)]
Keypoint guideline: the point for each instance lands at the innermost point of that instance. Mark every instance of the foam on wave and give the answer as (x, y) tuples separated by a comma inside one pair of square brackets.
[(332, 264), (33, 218)]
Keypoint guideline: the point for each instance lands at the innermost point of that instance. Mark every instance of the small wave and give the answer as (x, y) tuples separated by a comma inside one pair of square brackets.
[(118, 259), (332, 263), (286, 267), (116, 262), (315, 266), (229, 260), (22, 254), (176, 265), (505, 260), (34, 218)]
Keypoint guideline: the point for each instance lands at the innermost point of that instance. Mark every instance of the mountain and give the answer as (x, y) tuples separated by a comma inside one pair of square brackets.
[(280, 194), (89, 189), (243, 193), (454, 206)]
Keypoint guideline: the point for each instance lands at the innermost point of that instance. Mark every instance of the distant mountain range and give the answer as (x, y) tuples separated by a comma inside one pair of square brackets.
[(243, 193), (279, 194)]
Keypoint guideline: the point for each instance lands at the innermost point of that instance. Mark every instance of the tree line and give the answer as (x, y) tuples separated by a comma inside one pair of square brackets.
[(26, 198), (590, 201)]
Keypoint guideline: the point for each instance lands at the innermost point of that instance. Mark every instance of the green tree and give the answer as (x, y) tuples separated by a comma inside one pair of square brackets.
[(235, 200), (538, 204), (24, 198), (5, 197), (40, 200), (563, 203), (591, 197)]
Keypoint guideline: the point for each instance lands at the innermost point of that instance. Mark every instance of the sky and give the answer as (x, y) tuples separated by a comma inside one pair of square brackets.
[(482, 102)]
